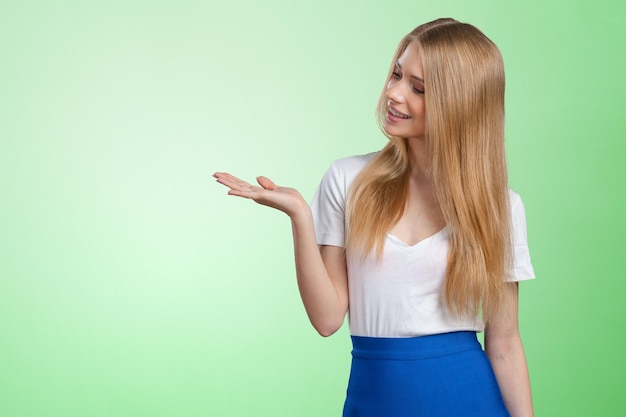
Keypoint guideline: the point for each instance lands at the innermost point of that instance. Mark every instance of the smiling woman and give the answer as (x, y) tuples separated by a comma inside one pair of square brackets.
[(405, 94), (128, 288), (423, 242)]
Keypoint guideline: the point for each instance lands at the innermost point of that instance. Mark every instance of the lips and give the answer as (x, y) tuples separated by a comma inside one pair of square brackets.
[(398, 114)]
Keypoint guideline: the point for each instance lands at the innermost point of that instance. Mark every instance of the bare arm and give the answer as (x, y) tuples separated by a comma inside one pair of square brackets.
[(503, 346), (321, 271)]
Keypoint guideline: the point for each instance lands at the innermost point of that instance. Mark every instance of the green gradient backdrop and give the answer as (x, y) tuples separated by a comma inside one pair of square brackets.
[(130, 285)]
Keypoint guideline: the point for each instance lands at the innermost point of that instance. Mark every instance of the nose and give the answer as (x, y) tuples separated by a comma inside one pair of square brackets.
[(394, 92)]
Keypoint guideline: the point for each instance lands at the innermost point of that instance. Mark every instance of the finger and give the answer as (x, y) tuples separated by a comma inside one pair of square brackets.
[(238, 193), (266, 183), (225, 177), (232, 182)]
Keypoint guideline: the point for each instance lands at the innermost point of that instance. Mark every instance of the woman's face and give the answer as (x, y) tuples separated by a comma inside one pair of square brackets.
[(405, 97)]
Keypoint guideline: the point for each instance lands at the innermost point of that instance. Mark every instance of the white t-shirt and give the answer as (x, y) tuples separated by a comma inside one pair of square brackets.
[(400, 295)]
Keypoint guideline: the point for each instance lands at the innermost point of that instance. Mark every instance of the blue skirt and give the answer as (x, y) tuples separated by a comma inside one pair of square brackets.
[(444, 375)]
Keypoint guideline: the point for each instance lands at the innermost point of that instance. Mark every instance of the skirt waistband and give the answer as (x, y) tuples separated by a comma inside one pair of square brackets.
[(412, 348)]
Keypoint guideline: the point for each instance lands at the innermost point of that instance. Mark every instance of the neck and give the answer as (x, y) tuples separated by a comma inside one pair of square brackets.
[(418, 160)]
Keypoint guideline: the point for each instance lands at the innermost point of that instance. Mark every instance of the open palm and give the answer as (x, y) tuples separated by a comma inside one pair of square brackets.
[(285, 199)]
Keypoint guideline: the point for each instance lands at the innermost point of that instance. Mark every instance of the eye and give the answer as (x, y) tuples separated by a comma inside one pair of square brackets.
[(396, 75), (417, 90)]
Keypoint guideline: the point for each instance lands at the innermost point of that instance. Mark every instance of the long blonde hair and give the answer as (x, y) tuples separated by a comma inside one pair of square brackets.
[(464, 102)]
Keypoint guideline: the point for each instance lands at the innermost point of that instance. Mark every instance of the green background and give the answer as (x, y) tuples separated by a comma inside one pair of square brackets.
[(131, 285)]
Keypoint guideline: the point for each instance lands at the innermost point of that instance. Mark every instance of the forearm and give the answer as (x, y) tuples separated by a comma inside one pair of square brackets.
[(509, 364), (325, 300), (322, 278)]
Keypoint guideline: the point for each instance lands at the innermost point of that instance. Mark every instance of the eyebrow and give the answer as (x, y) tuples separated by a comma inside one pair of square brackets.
[(412, 76)]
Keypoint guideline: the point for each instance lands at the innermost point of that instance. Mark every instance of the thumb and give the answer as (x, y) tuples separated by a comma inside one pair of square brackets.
[(266, 183)]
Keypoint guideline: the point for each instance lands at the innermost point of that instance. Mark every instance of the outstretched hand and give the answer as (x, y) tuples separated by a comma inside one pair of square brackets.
[(287, 200)]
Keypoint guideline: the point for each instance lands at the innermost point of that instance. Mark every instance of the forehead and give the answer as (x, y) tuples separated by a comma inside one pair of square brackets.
[(411, 61)]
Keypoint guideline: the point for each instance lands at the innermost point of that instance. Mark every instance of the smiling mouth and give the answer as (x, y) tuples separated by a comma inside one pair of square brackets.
[(397, 114)]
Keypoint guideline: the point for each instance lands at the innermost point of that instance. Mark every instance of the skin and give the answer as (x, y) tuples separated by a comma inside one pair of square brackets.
[(321, 270), (405, 94), (503, 346)]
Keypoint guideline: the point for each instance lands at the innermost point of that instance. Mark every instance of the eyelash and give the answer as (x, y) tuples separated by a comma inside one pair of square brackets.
[(398, 76)]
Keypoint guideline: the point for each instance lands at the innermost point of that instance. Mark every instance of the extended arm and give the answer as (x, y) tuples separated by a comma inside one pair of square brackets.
[(321, 271), (503, 346)]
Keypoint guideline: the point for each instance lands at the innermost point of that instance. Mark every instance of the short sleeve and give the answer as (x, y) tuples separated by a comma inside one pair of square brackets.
[(522, 265), (328, 207), (329, 201)]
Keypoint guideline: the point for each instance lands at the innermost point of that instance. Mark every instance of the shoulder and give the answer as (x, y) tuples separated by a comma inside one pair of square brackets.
[(348, 168), (339, 177)]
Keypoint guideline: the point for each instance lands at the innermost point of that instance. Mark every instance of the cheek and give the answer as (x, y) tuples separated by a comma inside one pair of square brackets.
[(422, 107), (419, 109), (417, 105)]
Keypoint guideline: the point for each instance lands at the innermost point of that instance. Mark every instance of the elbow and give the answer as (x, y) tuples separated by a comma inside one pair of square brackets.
[(327, 329), (326, 332), (503, 348)]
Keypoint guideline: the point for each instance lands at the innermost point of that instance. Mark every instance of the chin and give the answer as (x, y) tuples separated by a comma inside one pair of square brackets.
[(390, 129), (393, 132)]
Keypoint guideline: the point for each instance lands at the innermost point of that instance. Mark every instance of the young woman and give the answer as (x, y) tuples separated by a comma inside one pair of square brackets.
[(423, 243)]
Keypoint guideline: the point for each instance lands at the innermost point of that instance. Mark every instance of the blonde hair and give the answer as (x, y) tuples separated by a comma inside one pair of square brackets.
[(464, 134)]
